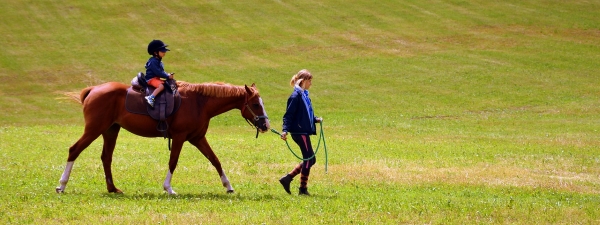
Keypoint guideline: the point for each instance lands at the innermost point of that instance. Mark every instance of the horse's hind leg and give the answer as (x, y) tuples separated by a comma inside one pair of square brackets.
[(86, 139), (110, 140), (204, 147)]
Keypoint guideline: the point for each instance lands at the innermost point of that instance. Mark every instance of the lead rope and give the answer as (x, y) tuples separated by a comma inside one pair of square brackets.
[(318, 145)]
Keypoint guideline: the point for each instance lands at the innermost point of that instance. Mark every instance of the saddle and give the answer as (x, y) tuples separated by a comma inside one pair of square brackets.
[(165, 104)]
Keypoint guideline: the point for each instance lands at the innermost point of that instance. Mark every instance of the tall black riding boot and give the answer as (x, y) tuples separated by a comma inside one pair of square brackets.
[(304, 191), (285, 181)]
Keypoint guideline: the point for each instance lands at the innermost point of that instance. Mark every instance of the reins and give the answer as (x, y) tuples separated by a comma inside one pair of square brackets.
[(321, 136)]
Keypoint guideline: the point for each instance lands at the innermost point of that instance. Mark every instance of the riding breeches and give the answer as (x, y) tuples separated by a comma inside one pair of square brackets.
[(303, 141)]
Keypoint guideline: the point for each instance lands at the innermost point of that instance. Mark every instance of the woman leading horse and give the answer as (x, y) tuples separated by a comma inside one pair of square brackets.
[(105, 114)]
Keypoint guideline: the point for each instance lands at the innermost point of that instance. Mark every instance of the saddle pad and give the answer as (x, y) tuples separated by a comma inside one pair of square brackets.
[(135, 102)]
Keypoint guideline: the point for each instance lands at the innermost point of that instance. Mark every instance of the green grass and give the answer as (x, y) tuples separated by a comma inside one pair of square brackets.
[(439, 112), (390, 189)]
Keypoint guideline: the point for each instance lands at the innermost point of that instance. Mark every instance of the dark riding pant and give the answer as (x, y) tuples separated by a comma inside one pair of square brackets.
[(303, 140)]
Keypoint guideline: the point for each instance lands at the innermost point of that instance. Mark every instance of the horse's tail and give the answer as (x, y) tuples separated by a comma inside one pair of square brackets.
[(84, 93)]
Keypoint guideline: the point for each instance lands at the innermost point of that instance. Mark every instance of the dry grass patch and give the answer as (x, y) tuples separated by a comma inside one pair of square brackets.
[(500, 174)]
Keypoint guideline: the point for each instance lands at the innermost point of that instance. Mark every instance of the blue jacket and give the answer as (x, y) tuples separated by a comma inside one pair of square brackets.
[(155, 68), (299, 117)]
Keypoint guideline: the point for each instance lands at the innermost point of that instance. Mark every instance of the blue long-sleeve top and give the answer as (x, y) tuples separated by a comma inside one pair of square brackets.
[(299, 117), (155, 68)]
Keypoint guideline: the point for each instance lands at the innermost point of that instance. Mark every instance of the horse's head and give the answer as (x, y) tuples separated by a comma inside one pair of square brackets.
[(254, 110)]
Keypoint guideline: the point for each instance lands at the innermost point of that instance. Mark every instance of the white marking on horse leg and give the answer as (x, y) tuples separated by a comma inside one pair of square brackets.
[(64, 179), (226, 183), (167, 184)]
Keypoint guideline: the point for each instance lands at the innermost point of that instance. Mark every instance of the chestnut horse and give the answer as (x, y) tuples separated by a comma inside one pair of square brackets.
[(105, 114)]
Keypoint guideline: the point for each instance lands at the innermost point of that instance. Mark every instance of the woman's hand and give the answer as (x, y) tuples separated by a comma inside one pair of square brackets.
[(284, 136), (319, 119)]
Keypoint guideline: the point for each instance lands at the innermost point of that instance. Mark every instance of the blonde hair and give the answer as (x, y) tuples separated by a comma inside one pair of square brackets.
[(299, 77)]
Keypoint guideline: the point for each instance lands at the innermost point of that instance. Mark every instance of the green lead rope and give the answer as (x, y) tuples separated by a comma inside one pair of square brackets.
[(318, 145)]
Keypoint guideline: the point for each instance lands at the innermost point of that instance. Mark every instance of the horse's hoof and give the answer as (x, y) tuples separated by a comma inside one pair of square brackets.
[(230, 191), (59, 191), (116, 191), (169, 191)]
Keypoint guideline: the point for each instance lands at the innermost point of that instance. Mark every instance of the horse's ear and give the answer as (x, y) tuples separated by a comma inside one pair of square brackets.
[(253, 85), (248, 89)]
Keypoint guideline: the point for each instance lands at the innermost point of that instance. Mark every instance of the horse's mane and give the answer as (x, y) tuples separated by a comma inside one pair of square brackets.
[(215, 89)]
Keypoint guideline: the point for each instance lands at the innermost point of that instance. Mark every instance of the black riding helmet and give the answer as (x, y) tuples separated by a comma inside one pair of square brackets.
[(157, 46)]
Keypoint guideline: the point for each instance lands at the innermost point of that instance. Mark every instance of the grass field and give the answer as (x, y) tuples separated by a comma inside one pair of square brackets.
[(436, 112)]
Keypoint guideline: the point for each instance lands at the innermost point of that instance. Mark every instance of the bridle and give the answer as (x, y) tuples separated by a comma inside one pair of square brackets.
[(256, 117)]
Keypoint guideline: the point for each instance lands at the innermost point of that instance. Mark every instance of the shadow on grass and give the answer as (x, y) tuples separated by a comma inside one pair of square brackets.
[(191, 197), (212, 196)]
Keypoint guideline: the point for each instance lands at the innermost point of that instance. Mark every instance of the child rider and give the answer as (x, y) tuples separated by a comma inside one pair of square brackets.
[(155, 69)]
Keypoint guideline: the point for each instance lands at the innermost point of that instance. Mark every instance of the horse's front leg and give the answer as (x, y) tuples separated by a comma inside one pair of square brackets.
[(204, 147), (173, 159)]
